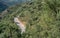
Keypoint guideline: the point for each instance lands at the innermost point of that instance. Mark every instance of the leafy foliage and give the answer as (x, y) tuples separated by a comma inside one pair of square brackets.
[(42, 18)]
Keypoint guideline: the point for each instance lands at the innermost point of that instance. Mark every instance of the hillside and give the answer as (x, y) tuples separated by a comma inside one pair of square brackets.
[(42, 20)]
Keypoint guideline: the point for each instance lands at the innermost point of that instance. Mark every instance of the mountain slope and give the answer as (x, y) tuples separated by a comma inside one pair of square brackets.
[(40, 17)]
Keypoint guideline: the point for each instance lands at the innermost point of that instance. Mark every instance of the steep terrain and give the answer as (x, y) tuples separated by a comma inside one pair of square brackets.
[(42, 20)]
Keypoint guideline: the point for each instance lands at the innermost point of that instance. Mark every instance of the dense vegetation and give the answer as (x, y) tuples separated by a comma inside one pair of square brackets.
[(42, 18)]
